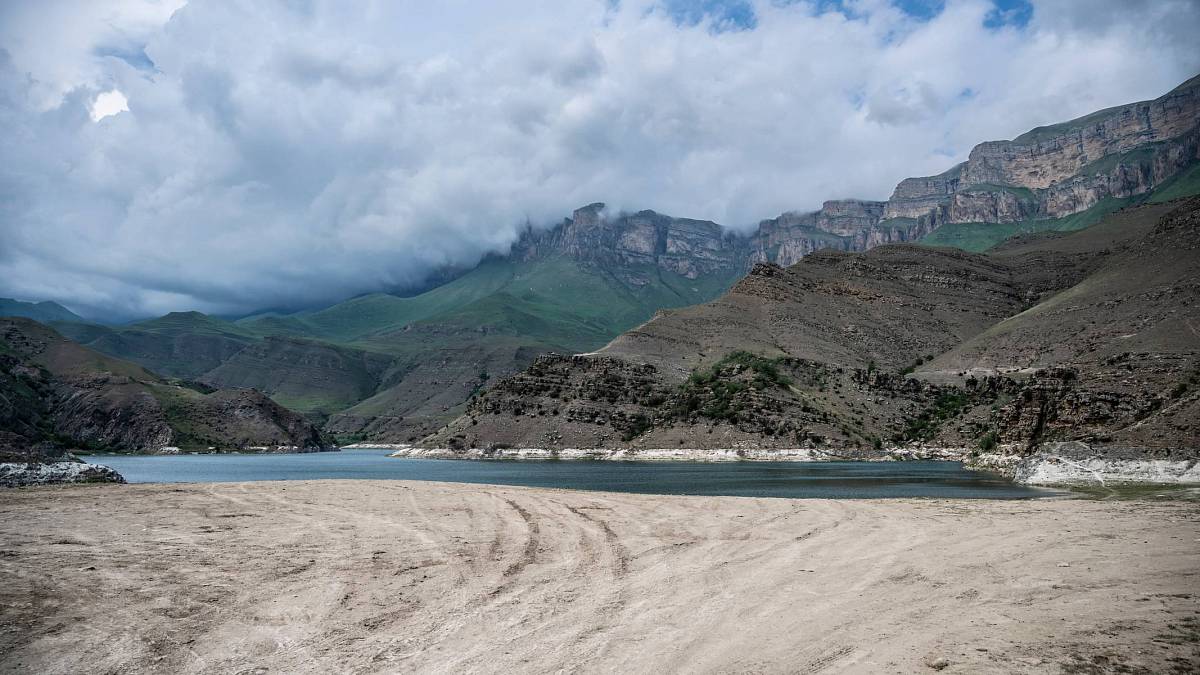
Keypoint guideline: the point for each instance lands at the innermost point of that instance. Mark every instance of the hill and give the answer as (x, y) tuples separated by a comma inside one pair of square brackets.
[(1089, 336), (38, 311), (179, 344), (59, 392)]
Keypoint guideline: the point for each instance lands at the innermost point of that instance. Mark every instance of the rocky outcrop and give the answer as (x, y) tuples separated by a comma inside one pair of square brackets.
[(915, 197), (53, 473), (1075, 463), (689, 248)]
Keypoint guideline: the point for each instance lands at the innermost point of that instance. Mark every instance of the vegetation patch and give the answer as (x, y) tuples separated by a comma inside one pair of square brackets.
[(720, 392), (989, 441), (924, 426)]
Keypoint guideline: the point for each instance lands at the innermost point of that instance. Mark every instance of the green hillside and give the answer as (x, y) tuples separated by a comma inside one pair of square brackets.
[(558, 299), (194, 323), (180, 344), (1183, 184), (365, 315), (38, 311), (421, 356)]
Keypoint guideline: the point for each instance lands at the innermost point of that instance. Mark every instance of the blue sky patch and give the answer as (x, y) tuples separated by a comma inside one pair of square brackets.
[(133, 55), (739, 14), (725, 14), (1015, 13)]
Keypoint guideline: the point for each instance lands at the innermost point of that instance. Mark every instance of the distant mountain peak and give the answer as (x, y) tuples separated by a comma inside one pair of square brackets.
[(39, 311)]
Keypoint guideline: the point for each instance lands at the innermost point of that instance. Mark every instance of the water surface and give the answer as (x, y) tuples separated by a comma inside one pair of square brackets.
[(843, 480)]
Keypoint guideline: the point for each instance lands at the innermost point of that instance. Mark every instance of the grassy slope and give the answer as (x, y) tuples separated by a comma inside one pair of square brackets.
[(493, 319), (582, 306), (557, 299), (978, 237), (551, 305), (1183, 184), (179, 344), (1022, 193), (365, 315), (190, 322)]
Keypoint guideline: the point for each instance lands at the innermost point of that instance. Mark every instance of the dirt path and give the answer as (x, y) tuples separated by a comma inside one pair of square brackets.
[(366, 576)]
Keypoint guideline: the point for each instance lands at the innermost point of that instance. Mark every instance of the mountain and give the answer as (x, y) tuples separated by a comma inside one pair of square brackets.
[(1060, 177), (53, 390), (1090, 336), (180, 344), (393, 368), (1064, 176), (38, 311), (571, 288)]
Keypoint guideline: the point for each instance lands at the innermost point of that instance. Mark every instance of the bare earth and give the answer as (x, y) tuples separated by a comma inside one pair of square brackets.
[(366, 576)]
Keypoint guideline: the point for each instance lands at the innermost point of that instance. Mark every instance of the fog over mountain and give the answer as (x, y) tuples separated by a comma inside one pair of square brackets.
[(229, 156)]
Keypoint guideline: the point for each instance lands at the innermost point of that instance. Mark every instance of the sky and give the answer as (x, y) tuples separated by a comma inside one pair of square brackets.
[(234, 155)]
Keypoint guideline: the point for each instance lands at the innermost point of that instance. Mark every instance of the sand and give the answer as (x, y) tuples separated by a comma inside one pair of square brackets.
[(375, 576)]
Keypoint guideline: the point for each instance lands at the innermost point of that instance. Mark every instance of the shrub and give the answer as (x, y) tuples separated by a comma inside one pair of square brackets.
[(989, 441)]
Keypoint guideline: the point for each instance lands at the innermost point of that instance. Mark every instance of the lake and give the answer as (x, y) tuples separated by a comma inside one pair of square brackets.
[(842, 480)]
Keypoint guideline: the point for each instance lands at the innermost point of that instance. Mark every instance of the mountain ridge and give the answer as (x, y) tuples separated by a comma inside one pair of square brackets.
[(575, 286), (46, 310)]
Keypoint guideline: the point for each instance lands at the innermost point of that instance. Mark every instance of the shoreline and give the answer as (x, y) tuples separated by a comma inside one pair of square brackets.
[(1058, 465), (387, 576)]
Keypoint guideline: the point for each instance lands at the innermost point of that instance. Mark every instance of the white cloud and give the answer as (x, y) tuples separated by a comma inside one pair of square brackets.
[(289, 153), (108, 103)]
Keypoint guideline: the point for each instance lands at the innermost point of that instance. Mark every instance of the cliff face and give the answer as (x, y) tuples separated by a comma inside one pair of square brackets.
[(689, 248), (1046, 156), (1063, 169), (915, 197), (625, 243)]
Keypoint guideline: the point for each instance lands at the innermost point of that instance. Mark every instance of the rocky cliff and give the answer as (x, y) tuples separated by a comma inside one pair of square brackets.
[(1048, 173), (632, 243), (1063, 169)]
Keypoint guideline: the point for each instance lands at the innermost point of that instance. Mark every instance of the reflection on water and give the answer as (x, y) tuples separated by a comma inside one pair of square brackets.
[(746, 479)]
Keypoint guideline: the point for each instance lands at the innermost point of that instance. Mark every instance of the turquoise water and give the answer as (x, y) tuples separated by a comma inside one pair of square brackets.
[(844, 480)]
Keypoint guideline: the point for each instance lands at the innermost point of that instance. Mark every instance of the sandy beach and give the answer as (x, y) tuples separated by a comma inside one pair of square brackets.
[(375, 576)]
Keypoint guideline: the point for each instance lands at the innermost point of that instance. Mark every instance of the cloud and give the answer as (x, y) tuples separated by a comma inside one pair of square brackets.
[(108, 103), (287, 154)]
